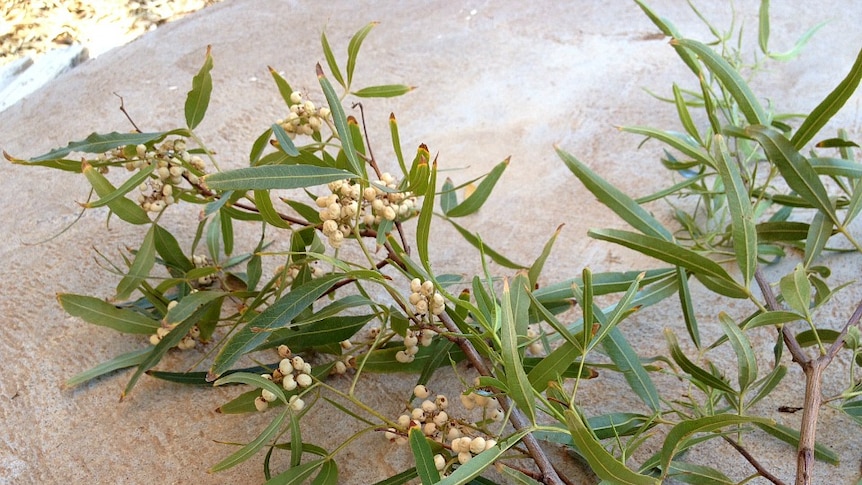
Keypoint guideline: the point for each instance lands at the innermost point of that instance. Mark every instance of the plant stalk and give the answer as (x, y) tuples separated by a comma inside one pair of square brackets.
[(516, 417)]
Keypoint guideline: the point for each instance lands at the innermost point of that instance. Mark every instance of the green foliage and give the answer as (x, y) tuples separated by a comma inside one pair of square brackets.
[(755, 195)]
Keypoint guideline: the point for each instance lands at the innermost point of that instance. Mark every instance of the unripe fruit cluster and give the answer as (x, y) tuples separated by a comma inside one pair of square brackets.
[(304, 118), (292, 373), (424, 298), (490, 405), (173, 165), (387, 205), (412, 341), (201, 261), (338, 210), (188, 342)]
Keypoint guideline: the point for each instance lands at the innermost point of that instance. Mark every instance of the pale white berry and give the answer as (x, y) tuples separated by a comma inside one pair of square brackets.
[(304, 380), (289, 383), (490, 444), (267, 395), (296, 404), (477, 445), (417, 414), (439, 462), (429, 429), (404, 421), (421, 391), (441, 418), (464, 457), (260, 404), (285, 367)]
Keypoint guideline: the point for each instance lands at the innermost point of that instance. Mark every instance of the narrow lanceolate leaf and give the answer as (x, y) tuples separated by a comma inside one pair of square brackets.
[(141, 266), (615, 199), (698, 375), (198, 98), (353, 48), (741, 211), (668, 29), (383, 91), (551, 367), (746, 363), (603, 464), (819, 232), (684, 115), (472, 203), (830, 105), (730, 78), (123, 207), (328, 473), (687, 306), (271, 177), (795, 168), (763, 27), (330, 59), (283, 86), (267, 211), (340, 121), (101, 143), (520, 389), (663, 250), (99, 312), (251, 448), (186, 307), (296, 475), (285, 144), (476, 242), (424, 457), (539, 264), (423, 228), (129, 185), (252, 380), (796, 290), (678, 141), (129, 359), (277, 315), (682, 432), (623, 355), (772, 318)]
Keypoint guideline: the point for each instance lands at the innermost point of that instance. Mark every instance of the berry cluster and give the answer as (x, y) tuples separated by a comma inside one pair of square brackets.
[(431, 417), (412, 341), (304, 118), (292, 372), (340, 209), (203, 262), (188, 342), (173, 165), (425, 298)]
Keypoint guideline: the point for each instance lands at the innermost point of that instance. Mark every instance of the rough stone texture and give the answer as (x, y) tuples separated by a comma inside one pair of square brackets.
[(495, 79)]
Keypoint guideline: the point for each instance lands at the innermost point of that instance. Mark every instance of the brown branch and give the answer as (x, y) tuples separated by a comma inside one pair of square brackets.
[(516, 417), (763, 472), (793, 346)]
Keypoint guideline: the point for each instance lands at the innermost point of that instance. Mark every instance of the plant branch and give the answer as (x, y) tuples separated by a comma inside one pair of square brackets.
[(516, 417), (793, 346), (763, 472)]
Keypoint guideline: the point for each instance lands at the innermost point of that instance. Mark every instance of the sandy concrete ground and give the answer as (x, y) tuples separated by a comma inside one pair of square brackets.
[(495, 79)]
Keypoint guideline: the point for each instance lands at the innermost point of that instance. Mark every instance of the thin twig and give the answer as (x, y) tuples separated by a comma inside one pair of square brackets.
[(756, 464), (793, 346), (123, 109), (516, 416)]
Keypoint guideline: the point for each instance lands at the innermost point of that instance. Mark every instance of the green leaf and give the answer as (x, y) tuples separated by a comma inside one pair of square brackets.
[(400, 478), (763, 27), (698, 375), (830, 105), (603, 284), (782, 231), (330, 59), (251, 448), (741, 211), (129, 185), (687, 307), (615, 199), (383, 91), (536, 269), (101, 143), (129, 359), (668, 29), (272, 177), (277, 315), (123, 207), (796, 170), (746, 363), (328, 474), (797, 47), (519, 386), (340, 121), (353, 49), (424, 457), (796, 290), (472, 203), (198, 98), (267, 211), (423, 226), (285, 144), (684, 115), (169, 249), (448, 197), (679, 141), (697, 474), (771, 318), (665, 251), (853, 408), (396, 142), (140, 268), (682, 432), (330, 330), (819, 232), (252, 380), (626, 359), (284, 88), (730, 79), (98, 312), (602, 463), (298, 474), (383, 361), (791, 436), (551, 367)]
